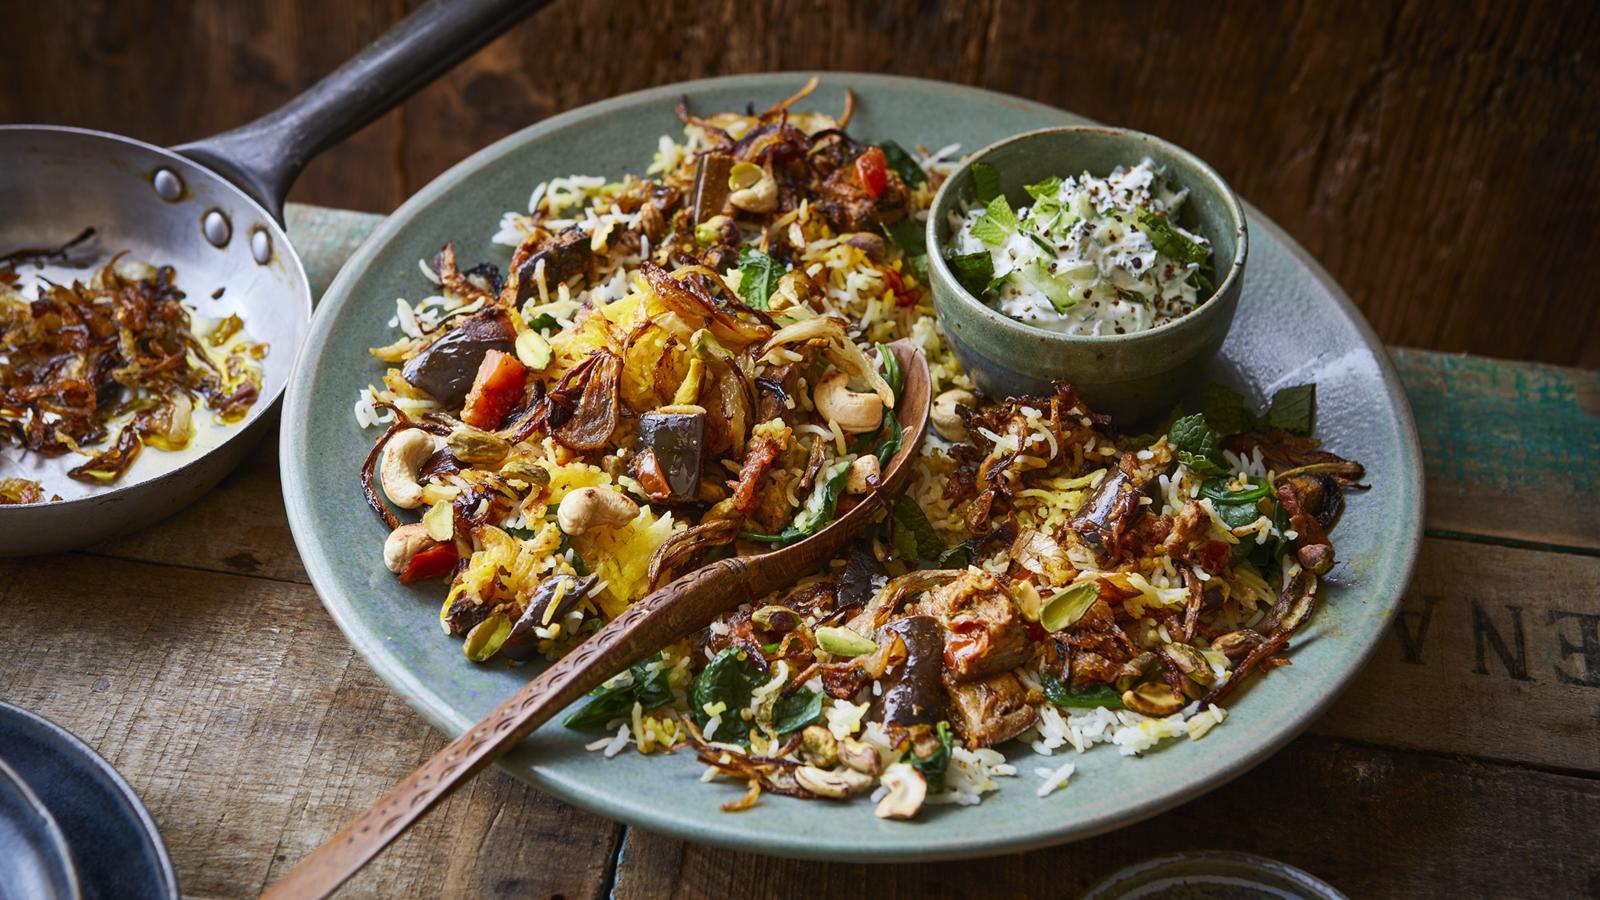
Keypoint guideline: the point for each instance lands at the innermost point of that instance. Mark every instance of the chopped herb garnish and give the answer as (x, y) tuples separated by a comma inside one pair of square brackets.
[(1044, 190), (974, 271), (795, 711), (1080, 697), (647, 687), (985, 182), (831, 490), (544, 322), (935, 764), (914, 537), (759, 275), (1196, 445), (1294, 409), (1168, 242), (996, 224)]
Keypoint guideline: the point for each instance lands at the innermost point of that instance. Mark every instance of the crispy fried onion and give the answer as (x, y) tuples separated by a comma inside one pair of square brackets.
[(1293, 607), (79, 357), (839, 350), (889, 597), (764, 451), (770, 773), (695, 305), (450, 275), (678, 549), (581, 411)]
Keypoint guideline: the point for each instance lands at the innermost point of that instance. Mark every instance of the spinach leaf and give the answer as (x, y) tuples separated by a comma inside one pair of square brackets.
[(759, 275), (974, 271), (795, 711), (914, 537), (996, 224), (647, 688), (902, 163), (544, 322), (934, 765), (1217, 490), (1196, 445), (729, 679), (1080, 697), (1294, 409), (1168, 242), (985, 182)]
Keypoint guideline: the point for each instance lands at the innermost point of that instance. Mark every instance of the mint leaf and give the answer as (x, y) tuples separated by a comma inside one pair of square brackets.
[(974, 271), (1196, 445), (914, 537), (902, 163), (996, 224), (1225, 411), (985, 182), (1045, 190), (1168, 241), (1294, 409), (759, 275)]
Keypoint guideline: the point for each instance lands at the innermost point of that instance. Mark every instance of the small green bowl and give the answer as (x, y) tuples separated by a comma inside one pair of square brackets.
[(1134, 377)]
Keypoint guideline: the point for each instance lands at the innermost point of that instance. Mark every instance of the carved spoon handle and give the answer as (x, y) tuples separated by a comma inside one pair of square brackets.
[(665, 616)]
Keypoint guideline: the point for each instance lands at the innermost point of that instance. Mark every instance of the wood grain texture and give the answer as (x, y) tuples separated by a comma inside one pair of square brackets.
[(1439, 157), (1511, 451), (251, 730), (1372, 822), (1515, 631), (194, 657)]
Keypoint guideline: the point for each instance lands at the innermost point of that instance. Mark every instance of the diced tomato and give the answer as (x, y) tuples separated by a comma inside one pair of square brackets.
[(903, 296), (873, 171), (430, 562), (1214, 556), (497, 387)]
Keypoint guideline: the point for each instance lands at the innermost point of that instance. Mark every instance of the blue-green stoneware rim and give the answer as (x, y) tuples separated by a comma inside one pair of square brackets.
[(1191, 322), (632, 793)]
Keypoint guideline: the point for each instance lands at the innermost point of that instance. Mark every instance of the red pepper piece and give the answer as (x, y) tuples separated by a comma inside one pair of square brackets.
[(873, 171), (430, 562), (497, 387)]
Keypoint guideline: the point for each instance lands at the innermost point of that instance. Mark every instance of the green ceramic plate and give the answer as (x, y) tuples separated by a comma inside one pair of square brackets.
[(1294, 325)]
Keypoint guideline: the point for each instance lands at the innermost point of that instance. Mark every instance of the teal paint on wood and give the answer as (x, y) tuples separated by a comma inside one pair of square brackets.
[(1511, 449)]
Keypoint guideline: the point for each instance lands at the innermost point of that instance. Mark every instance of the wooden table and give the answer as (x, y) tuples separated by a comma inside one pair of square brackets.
[(196, 657)]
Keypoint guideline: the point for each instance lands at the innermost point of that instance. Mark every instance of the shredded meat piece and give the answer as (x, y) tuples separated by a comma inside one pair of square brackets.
[(991, 711), (984, 633), (764, 449)]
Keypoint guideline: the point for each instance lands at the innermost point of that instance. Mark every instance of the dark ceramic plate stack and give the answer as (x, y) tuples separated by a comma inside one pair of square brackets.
[(70, 826)]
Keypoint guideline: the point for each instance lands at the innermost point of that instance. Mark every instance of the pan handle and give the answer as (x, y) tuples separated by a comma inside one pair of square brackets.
[(264, 157)]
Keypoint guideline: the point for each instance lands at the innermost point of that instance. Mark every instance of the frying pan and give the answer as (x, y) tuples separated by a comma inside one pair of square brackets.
[(213, 210)]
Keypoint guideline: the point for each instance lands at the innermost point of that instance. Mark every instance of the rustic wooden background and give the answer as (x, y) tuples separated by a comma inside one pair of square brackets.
[(1438, 156)]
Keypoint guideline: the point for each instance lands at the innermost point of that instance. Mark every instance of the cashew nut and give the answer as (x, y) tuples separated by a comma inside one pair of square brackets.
[(854, 412), (907, 790), (945, 419), (819, 746), (863, 476), (403, 457), (753, 189), (403, 543), (835, 784), (859, 756), (587, 508)]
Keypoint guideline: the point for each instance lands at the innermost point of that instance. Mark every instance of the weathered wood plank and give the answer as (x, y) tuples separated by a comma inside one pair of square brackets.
[(1372, 822), (1422, 150), (1512, 449), (253, 732), (1496, 653)]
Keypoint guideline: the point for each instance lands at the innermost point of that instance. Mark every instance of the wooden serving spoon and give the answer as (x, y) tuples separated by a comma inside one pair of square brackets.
[(669, 614)]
